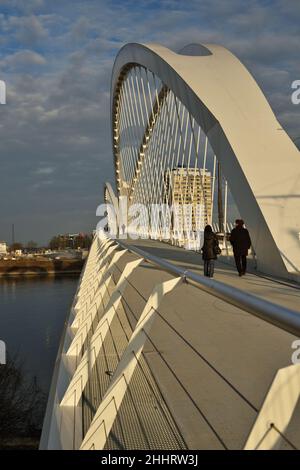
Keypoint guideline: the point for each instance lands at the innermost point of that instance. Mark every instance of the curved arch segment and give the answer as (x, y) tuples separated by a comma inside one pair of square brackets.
[(109, 196), (259, 160)]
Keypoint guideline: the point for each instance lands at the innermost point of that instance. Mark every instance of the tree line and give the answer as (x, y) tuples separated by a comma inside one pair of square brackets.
[(57, 242)]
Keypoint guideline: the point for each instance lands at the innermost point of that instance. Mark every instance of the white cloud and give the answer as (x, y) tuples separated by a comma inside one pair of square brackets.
[(44, 171), (22, 59), (57, 62)]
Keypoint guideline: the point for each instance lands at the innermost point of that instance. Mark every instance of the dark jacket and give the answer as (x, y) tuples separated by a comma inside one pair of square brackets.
[(240, 241), (209, 246)]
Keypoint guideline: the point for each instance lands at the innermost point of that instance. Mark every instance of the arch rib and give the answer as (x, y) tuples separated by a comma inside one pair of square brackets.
[(243, 132)]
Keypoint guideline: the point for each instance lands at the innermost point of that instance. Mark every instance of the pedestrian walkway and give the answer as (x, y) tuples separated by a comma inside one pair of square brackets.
[(275, 290), (150, 361), (214, 363)]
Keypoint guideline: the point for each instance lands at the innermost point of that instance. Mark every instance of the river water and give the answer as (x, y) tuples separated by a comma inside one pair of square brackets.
[(32, 315)]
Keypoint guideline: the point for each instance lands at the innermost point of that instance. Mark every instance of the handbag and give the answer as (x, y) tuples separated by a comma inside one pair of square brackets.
[(217, 249)]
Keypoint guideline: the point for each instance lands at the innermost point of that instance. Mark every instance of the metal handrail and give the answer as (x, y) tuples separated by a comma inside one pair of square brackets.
[(282, 317)]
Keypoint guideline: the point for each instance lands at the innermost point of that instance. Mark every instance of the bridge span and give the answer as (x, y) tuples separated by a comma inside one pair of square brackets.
[(154, 355), (151, 361)]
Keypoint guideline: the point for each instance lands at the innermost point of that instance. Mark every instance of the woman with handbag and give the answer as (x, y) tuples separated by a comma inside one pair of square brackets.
[(210, 250)]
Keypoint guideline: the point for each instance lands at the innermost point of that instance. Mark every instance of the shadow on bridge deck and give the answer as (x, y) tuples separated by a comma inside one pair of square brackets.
[(275, 290), (212, 362), (187, 370)]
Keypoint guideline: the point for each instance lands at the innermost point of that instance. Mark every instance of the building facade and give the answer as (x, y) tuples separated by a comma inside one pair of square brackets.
[(189, 192), (3, 248)]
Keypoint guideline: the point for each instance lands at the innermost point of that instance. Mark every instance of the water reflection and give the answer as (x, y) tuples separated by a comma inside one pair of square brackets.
[(32, 314)]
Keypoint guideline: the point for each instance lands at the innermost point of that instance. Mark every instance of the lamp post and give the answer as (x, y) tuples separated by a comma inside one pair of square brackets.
[(220, 201)]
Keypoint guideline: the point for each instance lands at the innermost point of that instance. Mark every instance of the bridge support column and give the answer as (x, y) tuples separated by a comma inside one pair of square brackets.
[(276, 413), (74, 391), (86, 320), (108, 409)]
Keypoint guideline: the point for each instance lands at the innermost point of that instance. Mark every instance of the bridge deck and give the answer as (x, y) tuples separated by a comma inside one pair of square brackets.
[(213, 362), (201, 370), (275, 290)]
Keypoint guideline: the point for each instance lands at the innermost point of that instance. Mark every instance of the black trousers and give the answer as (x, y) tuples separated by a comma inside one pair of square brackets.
[(240, 262), (209, 265)]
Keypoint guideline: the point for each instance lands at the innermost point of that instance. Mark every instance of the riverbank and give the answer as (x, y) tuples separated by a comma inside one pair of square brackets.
[(20, 443), (32, 317), (40, 266)]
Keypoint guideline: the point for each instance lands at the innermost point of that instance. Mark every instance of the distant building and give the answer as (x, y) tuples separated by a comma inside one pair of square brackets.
[(71, 241), (190, 187), (3, 248)]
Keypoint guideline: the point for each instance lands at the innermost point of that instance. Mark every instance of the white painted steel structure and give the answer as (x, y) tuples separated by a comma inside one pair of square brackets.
[(96, 311), (171, 110)]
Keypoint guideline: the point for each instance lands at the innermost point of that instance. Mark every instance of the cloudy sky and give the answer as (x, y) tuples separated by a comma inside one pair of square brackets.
[(56, 57)]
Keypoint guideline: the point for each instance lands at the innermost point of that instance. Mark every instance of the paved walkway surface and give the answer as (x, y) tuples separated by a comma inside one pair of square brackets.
[(183, 370), (212, 362), (278, 291)]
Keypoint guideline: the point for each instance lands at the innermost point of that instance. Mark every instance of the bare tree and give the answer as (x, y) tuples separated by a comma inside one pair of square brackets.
[(22, 404)]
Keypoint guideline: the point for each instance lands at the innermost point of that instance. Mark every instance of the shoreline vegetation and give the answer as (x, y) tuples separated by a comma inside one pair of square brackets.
[(22, 407), (40, 267)]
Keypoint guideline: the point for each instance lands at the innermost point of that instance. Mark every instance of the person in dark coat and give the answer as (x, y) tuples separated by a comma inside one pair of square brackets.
[(241, 243), (210, 250)]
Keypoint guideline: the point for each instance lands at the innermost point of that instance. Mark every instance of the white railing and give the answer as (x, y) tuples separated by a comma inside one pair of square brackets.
[(63, 427), (278, 315)]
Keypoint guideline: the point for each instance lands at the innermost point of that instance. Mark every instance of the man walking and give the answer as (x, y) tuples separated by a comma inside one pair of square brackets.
[(241, 242)]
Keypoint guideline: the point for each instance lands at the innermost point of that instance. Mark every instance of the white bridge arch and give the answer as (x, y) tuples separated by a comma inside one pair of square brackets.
[(258, 159)]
